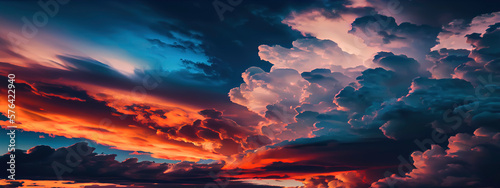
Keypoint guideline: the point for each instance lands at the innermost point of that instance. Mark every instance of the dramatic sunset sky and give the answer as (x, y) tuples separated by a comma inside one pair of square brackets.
[(252, 93)]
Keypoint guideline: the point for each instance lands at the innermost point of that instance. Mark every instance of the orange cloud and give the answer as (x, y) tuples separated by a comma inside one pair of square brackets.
[(95, 120), (55, 183)]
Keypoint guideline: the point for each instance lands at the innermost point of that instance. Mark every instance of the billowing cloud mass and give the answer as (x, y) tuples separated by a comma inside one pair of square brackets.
[(310, 54), (446, 60), (453, 33), (79, 162), (284, 86), (309, 94), (384, 33), (323, 25), (468, 161), (380, 30)]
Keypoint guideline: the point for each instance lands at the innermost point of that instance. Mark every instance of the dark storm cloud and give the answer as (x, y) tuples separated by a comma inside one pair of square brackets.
[(493, 66), (469, 161), (40, 161), (379, 28), (406, 38), (211, 113), (322, 154), (377, 85), (416, 114), (404, 122), (421, 107), (387, 30), (359, 99), (486, 47), (434, 97), (439, 12), (396, 62), (451, 105), (79, 162), (446, 60)]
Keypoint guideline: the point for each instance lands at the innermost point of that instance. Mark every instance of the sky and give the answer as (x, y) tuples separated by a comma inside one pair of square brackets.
[(241, 93)]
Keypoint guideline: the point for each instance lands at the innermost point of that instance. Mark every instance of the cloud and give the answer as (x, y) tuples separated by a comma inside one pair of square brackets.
[(309, 54), (493, 66), (318, 23), (437, 13), (80, 163), (324, 85), (405, 116), (284, 86), (309, 112), (125, 124), (274, 96), (216, 134), (375, 86), (400, 64), (212, 72), (351, 179), (391, 100), (92, 119), (57, 183), (438, 99), (475, 66), (404, 122), (469, 161), (446, 60), (485, 46), (384, 33), (46, 162), (305, 158), (452, 36)]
